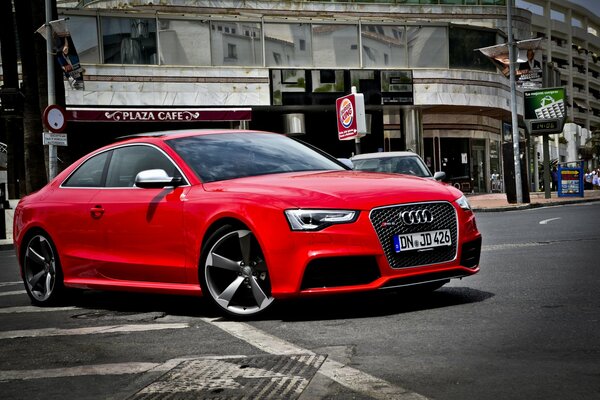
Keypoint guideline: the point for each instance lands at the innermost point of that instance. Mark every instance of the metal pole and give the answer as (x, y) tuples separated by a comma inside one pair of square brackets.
[(547, 178), (51, 89), (513, 103)]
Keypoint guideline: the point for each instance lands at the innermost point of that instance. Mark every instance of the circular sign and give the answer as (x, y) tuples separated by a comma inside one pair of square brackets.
[(55, 118), (346, 113)]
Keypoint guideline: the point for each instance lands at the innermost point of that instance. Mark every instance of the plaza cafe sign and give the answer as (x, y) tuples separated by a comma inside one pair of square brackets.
[(158, 114)]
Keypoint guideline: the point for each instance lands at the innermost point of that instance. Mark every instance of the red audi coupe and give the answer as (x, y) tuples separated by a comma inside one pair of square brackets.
[(243, 217)]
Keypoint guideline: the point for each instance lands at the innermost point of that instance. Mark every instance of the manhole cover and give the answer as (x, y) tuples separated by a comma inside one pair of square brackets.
[(256, 377)]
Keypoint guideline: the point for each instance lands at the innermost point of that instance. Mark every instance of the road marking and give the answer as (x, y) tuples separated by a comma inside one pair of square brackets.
[(94, 330), (13, 293), (545, 222), (32, 309), (345, 375), (2, 284), (83, 370)]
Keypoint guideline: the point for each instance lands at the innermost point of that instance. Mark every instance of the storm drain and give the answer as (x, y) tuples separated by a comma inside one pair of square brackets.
[(255, 377)]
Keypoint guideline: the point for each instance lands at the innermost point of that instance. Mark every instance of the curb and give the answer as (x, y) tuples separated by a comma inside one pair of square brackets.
[(533, 205), (6, 246)]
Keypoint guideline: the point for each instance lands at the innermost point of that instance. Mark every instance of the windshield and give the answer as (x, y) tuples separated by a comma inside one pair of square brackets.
[(217, 157), (410, 165)]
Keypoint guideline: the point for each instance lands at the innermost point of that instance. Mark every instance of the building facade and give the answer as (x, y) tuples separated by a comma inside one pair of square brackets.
[(280, 65), (570, 34)]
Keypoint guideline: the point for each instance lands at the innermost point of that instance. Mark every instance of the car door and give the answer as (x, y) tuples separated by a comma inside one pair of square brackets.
[(71, 222), (143, 227)]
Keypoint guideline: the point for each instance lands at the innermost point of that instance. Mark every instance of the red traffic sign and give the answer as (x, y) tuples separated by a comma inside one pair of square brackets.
[(345, 109), (55, 118)]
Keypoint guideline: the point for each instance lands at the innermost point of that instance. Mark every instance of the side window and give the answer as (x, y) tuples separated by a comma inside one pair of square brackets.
[(89, 174), (127, 162)]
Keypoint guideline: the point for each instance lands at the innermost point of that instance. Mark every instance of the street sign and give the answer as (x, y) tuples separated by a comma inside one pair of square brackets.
[(350, 112), (55, 139), (55, 118)]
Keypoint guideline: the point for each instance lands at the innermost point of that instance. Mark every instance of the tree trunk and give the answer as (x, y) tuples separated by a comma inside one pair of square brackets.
[(12, 134), (31, 44)]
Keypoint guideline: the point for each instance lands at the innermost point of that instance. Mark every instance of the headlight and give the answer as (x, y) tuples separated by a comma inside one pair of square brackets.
[(463, 203), (314, 220)]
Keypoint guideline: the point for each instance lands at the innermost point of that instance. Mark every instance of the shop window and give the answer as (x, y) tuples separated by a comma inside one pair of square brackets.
[(289, 40), (427, 46), (244, 49), (184, 42), (330, 44), (129, 40), (85, 37), (384, 45)]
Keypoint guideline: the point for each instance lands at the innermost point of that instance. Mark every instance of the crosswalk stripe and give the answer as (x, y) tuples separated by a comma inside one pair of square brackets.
[(83, 370), (94, 330), (2, 284), (32, 309), (13, 293)]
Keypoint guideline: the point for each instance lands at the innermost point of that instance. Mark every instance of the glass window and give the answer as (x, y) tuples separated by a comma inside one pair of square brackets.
[(327, 80), (464, 41), (335, 45), (291, 42), (384, 45), (129, 40), (557, 15), (89, 174), (289, 86), (427, 46), (85, 37), (240, 46), (129, 161), (184, 42)]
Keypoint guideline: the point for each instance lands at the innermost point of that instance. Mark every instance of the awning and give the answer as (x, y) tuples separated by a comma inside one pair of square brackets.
[(157, 114)]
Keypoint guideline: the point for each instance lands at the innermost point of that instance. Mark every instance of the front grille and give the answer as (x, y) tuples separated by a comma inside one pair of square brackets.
[(388, 223)]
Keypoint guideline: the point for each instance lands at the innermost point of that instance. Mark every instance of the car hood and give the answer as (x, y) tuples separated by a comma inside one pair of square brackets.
[(337, 189)]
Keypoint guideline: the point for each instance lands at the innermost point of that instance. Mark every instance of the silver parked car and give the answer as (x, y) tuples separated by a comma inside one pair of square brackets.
[(398, 162)]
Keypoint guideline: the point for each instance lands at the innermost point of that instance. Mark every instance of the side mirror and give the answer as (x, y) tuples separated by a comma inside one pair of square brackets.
[(439, 176), (347, 162), (156, 179)]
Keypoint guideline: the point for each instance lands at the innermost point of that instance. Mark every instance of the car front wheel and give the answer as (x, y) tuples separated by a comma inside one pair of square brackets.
[(234, 273)]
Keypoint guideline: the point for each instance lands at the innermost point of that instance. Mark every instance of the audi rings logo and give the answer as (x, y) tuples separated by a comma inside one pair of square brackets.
[(416, 217)]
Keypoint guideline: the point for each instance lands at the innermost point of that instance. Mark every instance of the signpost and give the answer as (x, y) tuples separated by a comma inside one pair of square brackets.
[(545, 115)]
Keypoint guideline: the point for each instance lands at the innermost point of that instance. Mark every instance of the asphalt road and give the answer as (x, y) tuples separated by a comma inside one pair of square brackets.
[(526, 327)]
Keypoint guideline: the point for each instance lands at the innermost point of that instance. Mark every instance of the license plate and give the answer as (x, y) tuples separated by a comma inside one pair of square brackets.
[(422, 240)]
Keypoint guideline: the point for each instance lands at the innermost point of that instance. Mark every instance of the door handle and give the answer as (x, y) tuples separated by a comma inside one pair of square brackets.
[(97, 211)]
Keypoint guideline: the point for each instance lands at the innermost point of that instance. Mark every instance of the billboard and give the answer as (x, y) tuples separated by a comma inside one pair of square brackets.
[(528, 73), (545, 110)]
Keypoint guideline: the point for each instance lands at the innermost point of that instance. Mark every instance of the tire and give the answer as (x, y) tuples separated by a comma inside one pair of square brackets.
[(42, 274), (233, 273)]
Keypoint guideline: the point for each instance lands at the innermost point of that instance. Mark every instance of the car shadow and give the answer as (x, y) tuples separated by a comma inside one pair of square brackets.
[(375, 304), (148, 307)]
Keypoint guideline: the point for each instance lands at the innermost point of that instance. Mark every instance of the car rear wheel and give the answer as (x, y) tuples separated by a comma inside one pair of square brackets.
[(234, 273), (41, 271)]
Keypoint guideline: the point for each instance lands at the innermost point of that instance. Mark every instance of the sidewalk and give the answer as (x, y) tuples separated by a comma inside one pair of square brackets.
[(498, 201)]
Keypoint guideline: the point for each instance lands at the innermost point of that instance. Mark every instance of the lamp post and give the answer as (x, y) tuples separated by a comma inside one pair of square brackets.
[(51, 89), (513, 101)]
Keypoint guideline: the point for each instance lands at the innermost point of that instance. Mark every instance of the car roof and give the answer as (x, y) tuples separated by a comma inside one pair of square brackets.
[(384, 154), (183, 133)]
